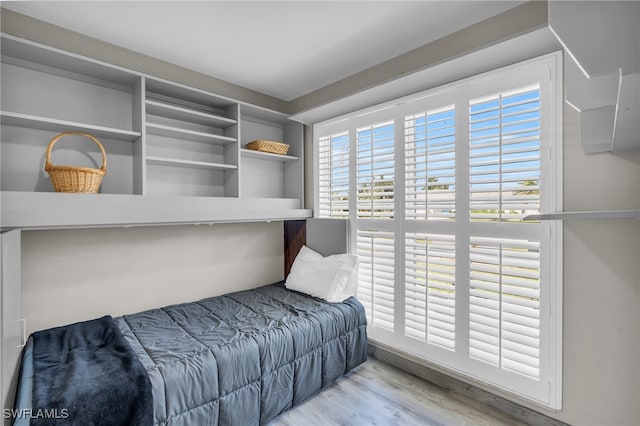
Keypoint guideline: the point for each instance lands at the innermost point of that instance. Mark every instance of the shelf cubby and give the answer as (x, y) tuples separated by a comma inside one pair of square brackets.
[(265, 174)]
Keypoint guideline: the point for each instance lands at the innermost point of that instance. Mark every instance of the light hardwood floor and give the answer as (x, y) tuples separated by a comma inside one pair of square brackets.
[(379, 394)]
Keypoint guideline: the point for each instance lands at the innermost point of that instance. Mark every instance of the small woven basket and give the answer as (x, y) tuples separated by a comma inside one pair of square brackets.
[(75, 179), (269, 146)]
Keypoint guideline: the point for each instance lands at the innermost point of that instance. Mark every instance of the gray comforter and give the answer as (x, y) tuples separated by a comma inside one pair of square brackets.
[(246, 357)]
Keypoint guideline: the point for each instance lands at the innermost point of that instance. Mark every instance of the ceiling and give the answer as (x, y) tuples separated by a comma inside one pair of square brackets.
[(281, 48)]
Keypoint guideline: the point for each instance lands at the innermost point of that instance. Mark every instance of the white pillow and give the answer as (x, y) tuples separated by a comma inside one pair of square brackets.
[(332, 278)]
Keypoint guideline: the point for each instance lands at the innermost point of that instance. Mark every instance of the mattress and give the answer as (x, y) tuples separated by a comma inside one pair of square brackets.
[(242, 358)]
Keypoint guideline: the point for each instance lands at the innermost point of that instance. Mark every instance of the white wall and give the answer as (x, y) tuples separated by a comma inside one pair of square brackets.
[(601, 287), (76, 275)]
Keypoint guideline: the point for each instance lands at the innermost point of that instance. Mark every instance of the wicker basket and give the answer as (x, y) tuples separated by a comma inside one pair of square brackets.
[(269, 146), (75, 179)]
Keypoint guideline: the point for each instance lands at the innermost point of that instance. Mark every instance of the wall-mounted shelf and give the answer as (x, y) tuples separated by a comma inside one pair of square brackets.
[(53, 124), (259, 155), (190, 163), (587, 215)]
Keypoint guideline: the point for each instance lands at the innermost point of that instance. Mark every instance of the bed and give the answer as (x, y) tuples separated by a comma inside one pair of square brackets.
[(242, 358)]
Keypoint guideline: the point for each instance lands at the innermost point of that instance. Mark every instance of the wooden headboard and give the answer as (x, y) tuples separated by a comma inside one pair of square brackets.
[(295, 236)]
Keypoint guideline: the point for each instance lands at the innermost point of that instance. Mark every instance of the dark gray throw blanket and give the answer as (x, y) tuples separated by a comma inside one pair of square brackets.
[(86, 374)]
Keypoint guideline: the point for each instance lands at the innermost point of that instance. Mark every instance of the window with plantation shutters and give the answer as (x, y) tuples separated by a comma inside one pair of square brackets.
[(437, 187), (430, 165), (333, 172)]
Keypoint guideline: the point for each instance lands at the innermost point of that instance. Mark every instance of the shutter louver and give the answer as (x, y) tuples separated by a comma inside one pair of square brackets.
[(504, 155), (375, 171), (430, 165), (376, 276), (333, 174), (504, 304), (430, 262)]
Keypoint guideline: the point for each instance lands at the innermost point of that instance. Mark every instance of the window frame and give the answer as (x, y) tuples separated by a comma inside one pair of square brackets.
[(546, 68)]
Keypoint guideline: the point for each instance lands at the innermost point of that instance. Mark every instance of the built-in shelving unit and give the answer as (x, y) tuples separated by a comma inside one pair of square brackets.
[(175, 154), (587, 215)]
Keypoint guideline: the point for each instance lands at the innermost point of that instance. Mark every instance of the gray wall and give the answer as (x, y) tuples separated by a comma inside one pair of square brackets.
[(601, 287), (76, 275)]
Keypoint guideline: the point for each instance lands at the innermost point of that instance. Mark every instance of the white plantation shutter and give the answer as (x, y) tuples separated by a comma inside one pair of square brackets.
[(430, 165), (504, 185), (375, 170), (376, 277), (430, 262), (436, 187), (504, 301), (504, 153), (333, 174)]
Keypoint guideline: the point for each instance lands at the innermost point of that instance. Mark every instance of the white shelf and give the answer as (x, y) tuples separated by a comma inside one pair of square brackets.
[(62, 210), (251, 153), (189, 163), (157, 86), (185, 114), (59, 62), (162, 130), (53, 124), (587, 215)]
